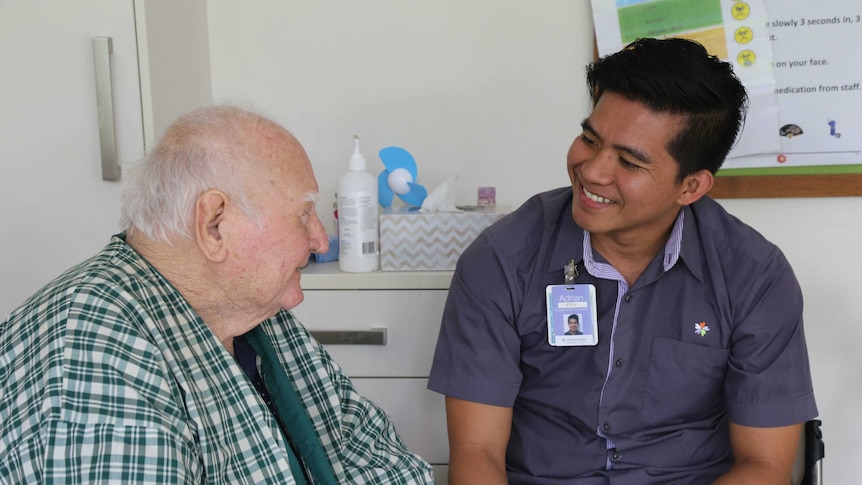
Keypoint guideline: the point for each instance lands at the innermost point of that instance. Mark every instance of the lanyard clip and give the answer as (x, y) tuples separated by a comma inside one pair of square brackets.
[(571, 272)]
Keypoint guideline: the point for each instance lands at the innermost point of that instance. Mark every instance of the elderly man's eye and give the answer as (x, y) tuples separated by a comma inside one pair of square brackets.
[(306, 215)]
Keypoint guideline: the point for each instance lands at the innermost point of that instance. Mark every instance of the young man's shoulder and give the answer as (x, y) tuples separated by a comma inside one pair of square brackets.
[(728, 236), (525, 227)]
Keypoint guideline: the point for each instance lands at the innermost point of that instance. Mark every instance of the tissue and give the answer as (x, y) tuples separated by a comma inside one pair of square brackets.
[(442, 198)]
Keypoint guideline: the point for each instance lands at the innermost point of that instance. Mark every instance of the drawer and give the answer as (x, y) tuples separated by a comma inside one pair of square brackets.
[(411, 319), (419, 415)]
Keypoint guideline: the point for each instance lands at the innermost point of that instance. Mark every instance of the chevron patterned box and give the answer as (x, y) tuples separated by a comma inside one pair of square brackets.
[(428, 241)]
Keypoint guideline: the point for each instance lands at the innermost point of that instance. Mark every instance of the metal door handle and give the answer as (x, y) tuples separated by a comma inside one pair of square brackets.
[(375, 336), (102, 49)]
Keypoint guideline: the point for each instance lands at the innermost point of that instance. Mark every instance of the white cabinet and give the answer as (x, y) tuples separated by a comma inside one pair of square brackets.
[(408, 306), (54, 206)]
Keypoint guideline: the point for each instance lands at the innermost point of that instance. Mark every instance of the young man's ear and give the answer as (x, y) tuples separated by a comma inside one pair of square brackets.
[(695, 186), (209, 215)]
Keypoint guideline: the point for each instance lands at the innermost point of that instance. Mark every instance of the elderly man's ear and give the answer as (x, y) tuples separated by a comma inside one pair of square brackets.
[(209, 225)]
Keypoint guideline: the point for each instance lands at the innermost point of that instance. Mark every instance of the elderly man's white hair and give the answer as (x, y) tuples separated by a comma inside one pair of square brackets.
[(208, 148)]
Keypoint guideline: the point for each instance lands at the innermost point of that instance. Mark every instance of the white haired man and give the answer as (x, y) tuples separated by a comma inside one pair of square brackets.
[(171, 356)]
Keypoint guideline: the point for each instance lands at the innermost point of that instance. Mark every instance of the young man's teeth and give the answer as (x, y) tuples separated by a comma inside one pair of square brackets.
[(595, 198)]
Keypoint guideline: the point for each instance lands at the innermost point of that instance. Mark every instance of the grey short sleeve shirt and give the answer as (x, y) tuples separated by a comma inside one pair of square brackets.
[(711, 332)]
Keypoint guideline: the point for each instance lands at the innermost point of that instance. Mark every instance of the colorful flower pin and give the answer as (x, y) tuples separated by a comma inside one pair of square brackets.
[(701, 328)]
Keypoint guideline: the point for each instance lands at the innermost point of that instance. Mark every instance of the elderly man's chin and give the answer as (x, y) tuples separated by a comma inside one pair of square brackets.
[(293, 295)]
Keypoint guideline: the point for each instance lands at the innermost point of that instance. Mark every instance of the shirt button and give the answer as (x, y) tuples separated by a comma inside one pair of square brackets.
[(606, 427), (628, 297), (619, 363), (617, 455)]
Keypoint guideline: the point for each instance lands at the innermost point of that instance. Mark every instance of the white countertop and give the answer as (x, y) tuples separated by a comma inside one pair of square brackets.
[(326, 276)]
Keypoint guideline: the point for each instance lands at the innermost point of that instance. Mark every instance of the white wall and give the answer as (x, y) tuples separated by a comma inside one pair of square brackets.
[(491, 91), (494, 91), (173, 53)]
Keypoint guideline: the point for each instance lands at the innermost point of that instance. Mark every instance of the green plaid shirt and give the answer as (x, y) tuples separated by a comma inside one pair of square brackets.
[(108, 375)]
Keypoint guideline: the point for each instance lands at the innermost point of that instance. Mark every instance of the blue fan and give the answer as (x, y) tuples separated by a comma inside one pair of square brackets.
[(399, 178)]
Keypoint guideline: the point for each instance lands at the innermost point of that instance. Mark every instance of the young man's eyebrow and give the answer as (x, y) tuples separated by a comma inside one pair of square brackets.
[(632, 151)]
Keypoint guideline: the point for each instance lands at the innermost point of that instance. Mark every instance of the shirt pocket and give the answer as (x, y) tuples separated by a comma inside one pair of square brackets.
[(685, 383)]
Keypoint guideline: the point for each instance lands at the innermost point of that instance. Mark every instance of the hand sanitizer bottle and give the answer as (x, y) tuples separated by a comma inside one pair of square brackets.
[(358, 231)]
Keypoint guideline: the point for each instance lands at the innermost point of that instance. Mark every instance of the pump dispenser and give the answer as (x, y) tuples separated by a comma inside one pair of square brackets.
[(357, 159), (358, 232)]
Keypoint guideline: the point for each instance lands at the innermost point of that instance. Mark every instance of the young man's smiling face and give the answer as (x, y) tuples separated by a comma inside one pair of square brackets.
[(623, 178)]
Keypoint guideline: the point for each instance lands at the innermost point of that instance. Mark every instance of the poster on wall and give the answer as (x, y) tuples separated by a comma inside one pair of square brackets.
[(796, 59)]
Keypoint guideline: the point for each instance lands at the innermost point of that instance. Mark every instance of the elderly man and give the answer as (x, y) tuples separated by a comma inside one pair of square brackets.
[(170, 356)]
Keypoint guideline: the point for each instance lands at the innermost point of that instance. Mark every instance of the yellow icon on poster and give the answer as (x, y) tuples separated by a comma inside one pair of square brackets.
[(743, 35), (746, 58), (740, 10)]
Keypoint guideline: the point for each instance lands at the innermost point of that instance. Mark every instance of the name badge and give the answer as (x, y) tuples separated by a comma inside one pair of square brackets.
[(572, 320)]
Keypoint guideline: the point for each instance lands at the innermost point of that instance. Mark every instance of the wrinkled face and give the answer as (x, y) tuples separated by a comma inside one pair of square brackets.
[(274, 248), (573, 325), (623, 178)]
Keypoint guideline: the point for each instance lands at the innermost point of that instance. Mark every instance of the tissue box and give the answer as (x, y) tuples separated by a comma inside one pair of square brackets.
[(429, 241)]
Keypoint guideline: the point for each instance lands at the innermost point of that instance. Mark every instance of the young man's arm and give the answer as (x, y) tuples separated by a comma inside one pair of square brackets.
[(478, 436), (762, 456)]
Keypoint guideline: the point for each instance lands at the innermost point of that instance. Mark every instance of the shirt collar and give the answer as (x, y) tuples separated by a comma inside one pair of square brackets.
[(568, 243), (674, 242), (690, 245)]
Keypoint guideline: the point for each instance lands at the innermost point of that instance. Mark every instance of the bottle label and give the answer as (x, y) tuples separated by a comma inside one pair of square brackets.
[(357, 224)]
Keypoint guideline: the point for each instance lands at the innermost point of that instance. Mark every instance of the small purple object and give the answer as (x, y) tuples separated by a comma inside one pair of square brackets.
[(487, 196)]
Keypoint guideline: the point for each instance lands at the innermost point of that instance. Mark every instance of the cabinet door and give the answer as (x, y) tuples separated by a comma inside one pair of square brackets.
[(54, 207)]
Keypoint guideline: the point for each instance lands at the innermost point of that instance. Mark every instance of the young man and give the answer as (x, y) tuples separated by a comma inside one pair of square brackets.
[(171, 356), (700, 373)]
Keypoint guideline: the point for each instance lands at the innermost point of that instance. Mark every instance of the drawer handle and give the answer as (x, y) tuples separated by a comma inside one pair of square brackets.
[(375, 336)]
